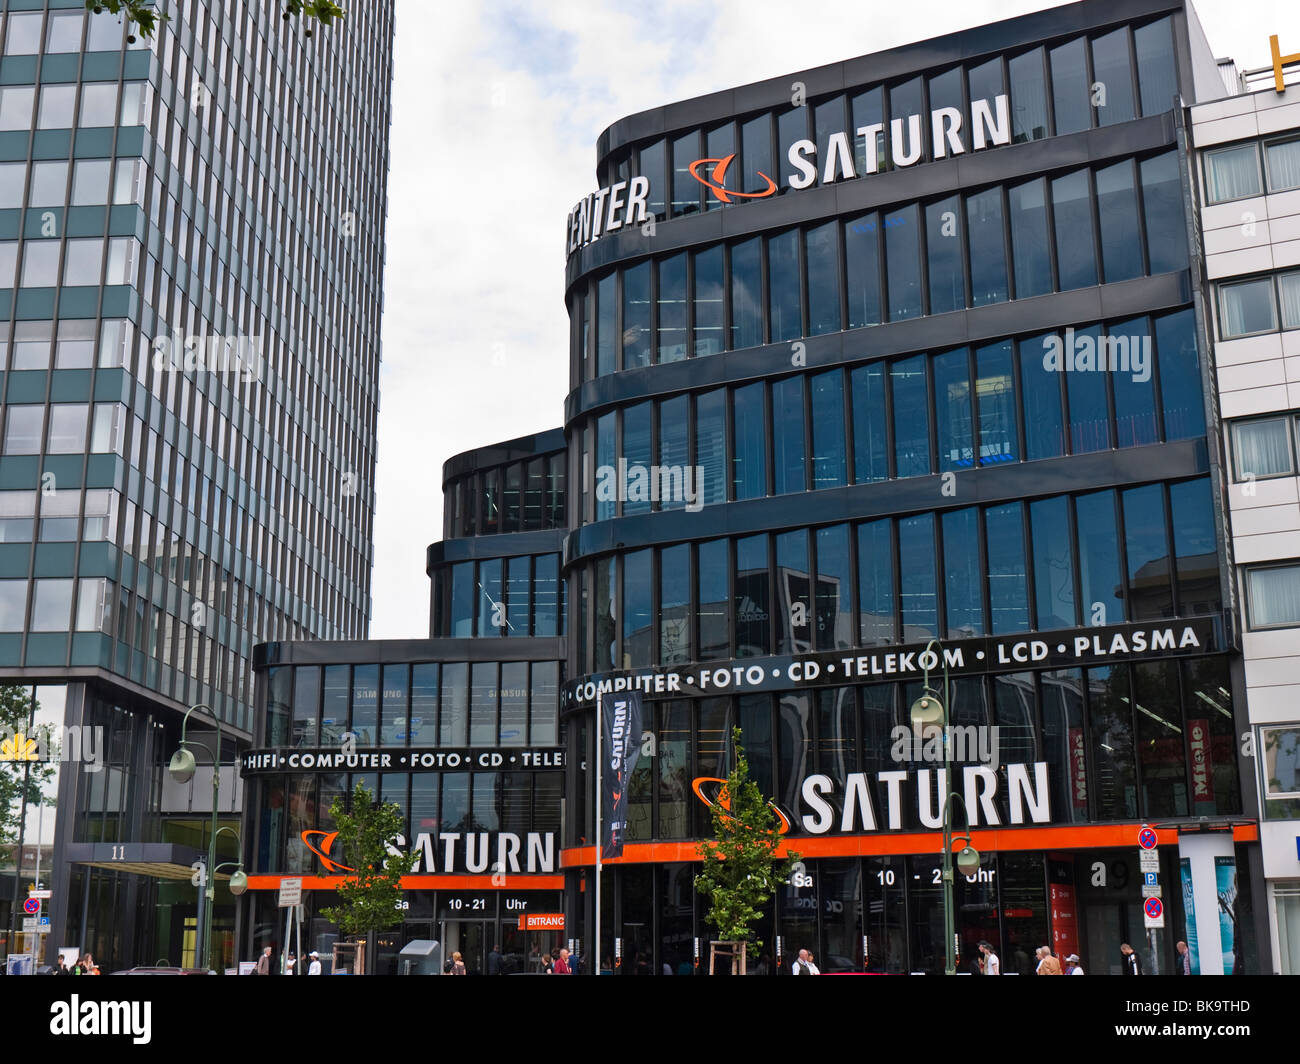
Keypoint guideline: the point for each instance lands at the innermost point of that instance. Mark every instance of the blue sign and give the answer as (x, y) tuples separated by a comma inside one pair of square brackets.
[(32, 905), (1151, 879), (1147, 839)]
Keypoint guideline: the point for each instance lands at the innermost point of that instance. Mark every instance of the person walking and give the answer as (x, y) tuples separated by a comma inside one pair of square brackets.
[(494, 961), (263, 963), (562, 964), (989, 963), (1183, 966), (803, 964), (1131, 963), (1047, 964), (1072, 965), (457, 965), (314, 968)]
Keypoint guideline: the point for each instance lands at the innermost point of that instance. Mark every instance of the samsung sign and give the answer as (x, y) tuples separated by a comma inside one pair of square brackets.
[(901, 143)]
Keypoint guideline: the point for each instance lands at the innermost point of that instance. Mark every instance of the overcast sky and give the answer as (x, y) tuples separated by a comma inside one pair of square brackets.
[(496, 111)]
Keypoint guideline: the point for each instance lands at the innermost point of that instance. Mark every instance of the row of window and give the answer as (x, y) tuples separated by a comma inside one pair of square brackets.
[(1122, 385), (58, 108), (29, 431), (61, 516), (1066, 88), (1252, 169), (1079, 229), (51, 602), (1060, 562), (430, 803), (433, 704), (91, 182), (1107, 760), (63, 33), (1259, 305), (84, 262), (514, 597), (72, 341), (519, 497)]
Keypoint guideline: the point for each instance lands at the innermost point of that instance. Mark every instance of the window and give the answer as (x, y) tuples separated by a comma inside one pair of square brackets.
[(84, 262), (98, 105), (1246, 307), (862, 260), (944, 256), (1099, 575), (1262, 448), (749, 476), (32, 344), (8, 263), (90, 181), (995, 395), (1162, 205), (952, 408), (105, 35), (1135, 389), (13, 176), (76, 344), (100, 516), (49, 185), (59, 516), (1070, 88), (63, 33), (137, 104), (709, 309), (988, 257), (636, 452), (686, 190), (788, 435), (751, 606), (106, 428), (16, 106), (1281, 767), (1232, 173), (1121, 250), (876, 602), (785, 300), (711, 446), (917, 581), (672, 308), (1282, 160), (1273, 596), (1112, 75), (823, 280), (870, 427), (56, 109), (963, 595), (128, 187), (636, 316), (13, 605), (40, 264), (674, 604), (67, 428), (911, 417), (1157, 73), (746, 294), (903, 266), (1053, 563), (1288, 289), (17, 511), (22, 33), (674, 451), (1008, 591), (606, 324), (1028, 97), (23, 427), (719, 143), (1029, 244), (756, 150), (52, 605), (829, 457), (652, 168)]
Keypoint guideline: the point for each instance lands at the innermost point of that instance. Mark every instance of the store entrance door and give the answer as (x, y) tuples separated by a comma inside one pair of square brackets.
[(470, 939)]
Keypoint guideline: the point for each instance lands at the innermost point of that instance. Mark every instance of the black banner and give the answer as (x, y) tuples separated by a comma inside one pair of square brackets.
[(620, 745), (344, 758)]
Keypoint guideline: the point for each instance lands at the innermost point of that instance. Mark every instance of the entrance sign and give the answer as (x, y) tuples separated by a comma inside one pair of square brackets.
[(290, 893), (542, 922)]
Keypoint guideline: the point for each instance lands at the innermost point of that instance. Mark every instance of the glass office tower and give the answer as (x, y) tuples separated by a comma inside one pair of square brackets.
[(921, 338), (191, 253)]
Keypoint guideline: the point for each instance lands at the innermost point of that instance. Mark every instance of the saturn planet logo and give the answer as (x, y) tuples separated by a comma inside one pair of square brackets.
[(718, 176), (712, 791)]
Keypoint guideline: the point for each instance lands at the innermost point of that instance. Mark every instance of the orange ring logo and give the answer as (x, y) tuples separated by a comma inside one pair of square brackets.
[(718, 175), (326, 844), (723, 799)]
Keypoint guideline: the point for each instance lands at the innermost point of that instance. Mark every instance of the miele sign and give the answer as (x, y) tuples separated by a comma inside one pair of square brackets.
[(624, 203)]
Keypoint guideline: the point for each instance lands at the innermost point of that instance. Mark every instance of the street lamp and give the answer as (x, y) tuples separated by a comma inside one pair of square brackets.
[(181, 768), (928, 712)]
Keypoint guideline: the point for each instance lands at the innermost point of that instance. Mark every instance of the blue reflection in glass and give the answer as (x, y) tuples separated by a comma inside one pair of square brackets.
[(916, 577), (788, 435), (952, 409), (749, 467), (911, 417), (995, 396), (1049, 521), (830, 459), (746, 294), (988, 253), (862, 263), (1099, 575), (944, 256), (1008, 587), (870, 425), (877, 605), (962, 576)]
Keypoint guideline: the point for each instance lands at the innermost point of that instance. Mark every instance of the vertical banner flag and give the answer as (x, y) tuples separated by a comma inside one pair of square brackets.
[(1189, 914), (1225, 880), (621, 745), (1198, 741)]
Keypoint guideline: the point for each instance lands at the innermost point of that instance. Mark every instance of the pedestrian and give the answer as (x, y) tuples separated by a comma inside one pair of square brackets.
[(562, 963), (457, 965), (289, 964), (545, 962), (61, 967), (1072, 965), (494, 961), (990, 964), (1047, 964), (314, 968), (803, 964), (1132, 964), (89, 967), (1184, 963), (263, 963)]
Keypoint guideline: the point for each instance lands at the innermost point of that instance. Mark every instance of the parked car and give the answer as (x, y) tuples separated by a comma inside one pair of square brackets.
[(162, 971)]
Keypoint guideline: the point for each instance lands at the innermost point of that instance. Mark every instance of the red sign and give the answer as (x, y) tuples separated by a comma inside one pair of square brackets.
[(1065, 919), (1078, 770), (541, 922), (1198, 739)]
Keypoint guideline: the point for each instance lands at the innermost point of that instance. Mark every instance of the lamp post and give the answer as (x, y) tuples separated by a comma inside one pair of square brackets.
[(181, 769), (930, 711)]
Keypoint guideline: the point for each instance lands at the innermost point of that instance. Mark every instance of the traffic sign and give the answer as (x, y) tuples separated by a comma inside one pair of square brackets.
[(32, 906), (1147, 838), (1153, 913), (1150, 879), (1148, 860), (1151, 891), (290, 893), (44, 895), (31, 925)]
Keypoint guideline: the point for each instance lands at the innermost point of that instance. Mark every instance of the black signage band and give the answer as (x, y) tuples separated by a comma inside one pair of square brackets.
[(397, 759), (1063, 649)]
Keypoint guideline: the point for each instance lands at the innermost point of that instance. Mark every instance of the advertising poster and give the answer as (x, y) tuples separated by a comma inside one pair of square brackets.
[(1189, 914), (1065, 919), (1225, 881), (620, 745)]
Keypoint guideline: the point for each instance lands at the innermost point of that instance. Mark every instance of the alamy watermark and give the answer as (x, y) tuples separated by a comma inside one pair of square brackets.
[(971, 742), (45, 743), (209, 353), (656, 483), (1086, 353)]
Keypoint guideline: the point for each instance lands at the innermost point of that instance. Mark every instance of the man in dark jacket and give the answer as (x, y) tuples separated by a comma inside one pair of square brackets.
[(1130, 962)]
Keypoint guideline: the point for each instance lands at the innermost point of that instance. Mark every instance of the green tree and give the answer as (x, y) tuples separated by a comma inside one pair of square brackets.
[(368, 898), (741, 869), (19, 777), (141, 15)]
